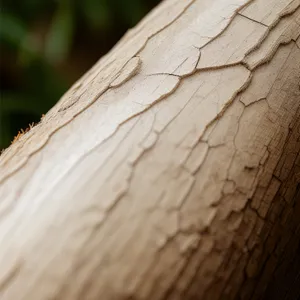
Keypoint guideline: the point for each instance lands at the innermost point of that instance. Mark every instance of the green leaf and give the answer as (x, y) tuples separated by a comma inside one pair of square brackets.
[(97, 13), (12, 30), (59, 38)]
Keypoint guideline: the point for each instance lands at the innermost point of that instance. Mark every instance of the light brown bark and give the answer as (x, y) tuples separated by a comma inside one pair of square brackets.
[(171, 170)]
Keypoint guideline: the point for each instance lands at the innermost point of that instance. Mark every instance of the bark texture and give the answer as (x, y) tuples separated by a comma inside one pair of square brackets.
[(171, 170)]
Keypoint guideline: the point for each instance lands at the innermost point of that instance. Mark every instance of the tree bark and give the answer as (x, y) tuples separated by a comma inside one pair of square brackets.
[(171, 170)]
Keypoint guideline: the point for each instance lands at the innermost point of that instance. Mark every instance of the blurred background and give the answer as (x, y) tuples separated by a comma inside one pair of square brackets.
[(46, 45)]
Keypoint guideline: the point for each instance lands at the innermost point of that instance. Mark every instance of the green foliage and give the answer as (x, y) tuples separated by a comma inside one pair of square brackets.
[(47, 44), (59, 37)]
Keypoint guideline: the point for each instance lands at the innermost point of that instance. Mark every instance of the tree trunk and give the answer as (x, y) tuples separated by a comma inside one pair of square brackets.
[(171, 170)]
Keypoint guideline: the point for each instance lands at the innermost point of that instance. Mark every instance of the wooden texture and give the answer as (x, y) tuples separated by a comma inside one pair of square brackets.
[(171, 170)]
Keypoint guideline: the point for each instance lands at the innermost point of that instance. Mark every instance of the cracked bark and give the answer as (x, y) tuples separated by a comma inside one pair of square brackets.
[(170, 170)]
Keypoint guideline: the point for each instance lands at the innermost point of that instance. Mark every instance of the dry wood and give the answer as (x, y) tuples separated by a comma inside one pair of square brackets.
[(171, 170)]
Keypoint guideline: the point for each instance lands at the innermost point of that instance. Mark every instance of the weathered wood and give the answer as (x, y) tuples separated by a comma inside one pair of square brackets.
[(171, 170)]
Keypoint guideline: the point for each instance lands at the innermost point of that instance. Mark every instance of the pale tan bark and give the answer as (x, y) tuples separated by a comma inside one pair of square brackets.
[(171, 170)]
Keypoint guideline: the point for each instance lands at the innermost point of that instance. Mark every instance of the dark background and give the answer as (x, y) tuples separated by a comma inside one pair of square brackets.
[(46, 45)]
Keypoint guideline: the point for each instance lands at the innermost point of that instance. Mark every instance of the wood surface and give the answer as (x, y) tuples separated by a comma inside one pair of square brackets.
[(170, 170)]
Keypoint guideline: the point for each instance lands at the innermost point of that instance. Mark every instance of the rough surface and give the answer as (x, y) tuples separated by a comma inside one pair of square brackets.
[(171, 170)]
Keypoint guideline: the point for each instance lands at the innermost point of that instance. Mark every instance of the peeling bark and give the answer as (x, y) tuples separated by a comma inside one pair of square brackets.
[(170, 170)]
